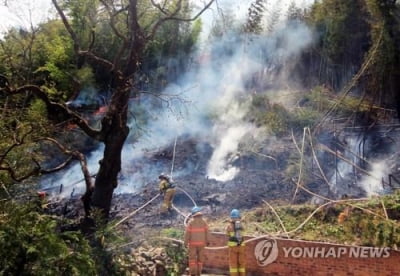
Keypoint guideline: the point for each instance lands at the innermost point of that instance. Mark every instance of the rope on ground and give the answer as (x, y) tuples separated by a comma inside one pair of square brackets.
[(134, 212)]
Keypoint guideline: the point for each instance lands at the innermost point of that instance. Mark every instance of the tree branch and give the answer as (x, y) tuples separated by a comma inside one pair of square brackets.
[(17, 142), (86, 198), (76, 155), (77, 48), (113, 15), (67, 26), (173, 16), (53, 107)]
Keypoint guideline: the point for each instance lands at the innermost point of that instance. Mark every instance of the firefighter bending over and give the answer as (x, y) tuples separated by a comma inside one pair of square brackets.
[(168, 189), (236, 245), (196, 237)]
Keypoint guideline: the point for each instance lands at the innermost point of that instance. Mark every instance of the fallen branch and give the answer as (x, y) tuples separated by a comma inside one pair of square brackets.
[(5, 189), (279, 219), (384, 209), (266, 156)]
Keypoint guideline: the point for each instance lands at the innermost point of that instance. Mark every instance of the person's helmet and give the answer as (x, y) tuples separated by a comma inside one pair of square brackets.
[(163, 176), (196, 209), (235, 214)]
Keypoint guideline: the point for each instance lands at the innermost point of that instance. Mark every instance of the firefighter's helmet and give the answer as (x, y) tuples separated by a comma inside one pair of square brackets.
[(196, 209), (235, 214), (163, 176)]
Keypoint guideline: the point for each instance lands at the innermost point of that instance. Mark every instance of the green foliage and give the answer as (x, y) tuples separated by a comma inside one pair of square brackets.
[(21, 127), (58, 65), (355, 34), (223, 25), (178, 254), (319, 98), (172, 233), (84, 14), (32, 244), (280, 120), (359, 226), (385, 53), (294, 13), (333, 18), (277, 119), (272, 116), (304, 117), (254, 17), (373, 231)]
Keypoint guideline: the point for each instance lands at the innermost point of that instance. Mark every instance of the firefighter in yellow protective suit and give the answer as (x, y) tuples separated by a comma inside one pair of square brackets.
[(196, 238), (236, 245), (167, 188)]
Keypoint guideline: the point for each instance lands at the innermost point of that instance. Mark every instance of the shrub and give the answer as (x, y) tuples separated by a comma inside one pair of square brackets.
[(31, 244)]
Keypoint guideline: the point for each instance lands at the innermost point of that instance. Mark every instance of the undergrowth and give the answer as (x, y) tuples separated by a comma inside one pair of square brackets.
[(374, 222)]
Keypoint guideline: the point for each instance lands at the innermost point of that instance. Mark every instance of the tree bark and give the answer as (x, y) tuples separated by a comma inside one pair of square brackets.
[(115, 129)]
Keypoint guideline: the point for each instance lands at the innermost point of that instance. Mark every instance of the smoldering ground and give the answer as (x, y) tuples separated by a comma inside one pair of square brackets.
[(208, 104)]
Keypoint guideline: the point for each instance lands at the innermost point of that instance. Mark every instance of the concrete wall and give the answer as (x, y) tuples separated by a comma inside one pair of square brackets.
[(266, 256)]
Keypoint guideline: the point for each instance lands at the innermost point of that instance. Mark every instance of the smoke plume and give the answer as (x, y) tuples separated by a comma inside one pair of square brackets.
[(209, 102)]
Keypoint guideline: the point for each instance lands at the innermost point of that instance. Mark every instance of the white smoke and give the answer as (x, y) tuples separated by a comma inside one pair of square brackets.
[(212, 105), (372, 183), (347, 176)]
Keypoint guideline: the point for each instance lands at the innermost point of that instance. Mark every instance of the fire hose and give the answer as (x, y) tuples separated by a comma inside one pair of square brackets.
[(151, 200), (134, 212), (148, 202), (220, 247)]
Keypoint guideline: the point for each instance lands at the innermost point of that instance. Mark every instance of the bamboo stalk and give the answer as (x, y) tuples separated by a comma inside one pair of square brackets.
[(316, 158), (301, 165), (323, 147), (384, 209)]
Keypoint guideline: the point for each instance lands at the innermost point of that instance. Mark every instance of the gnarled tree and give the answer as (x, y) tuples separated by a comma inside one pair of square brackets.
[(134, 24)]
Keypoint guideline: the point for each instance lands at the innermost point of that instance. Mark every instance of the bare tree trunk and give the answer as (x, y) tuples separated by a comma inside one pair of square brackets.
[(116, 132)]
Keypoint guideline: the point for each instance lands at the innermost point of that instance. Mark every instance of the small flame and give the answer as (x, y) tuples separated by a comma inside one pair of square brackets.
[(100, 111)]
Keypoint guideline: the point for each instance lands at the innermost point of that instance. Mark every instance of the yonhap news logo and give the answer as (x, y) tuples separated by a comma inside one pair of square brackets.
[(266, 251), (335, 252)]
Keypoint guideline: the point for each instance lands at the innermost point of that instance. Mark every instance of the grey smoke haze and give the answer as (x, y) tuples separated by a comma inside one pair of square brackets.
[(212, 105), (215, 102)]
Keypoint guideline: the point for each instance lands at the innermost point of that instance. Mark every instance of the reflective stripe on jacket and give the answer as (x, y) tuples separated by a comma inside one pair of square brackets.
[(196, 233), (232, 240)]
